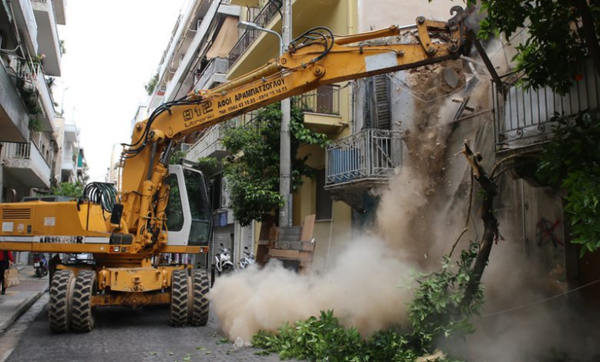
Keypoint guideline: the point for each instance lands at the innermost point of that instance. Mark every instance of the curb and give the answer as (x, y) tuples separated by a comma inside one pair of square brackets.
[(23, 307)]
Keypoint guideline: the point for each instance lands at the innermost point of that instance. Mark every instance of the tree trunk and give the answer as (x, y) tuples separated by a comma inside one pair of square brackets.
[(490, 232)]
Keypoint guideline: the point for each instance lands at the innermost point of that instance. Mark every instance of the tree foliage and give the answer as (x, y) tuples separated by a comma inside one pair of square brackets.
[(560, 34), (253, 172), (68, 189), (571, 161), (176, 156), (151, 85), (438, 313)]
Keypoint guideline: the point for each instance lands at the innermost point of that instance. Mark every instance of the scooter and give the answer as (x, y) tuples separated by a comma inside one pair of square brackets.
[(248, 260), (223, 264), (40, 264)]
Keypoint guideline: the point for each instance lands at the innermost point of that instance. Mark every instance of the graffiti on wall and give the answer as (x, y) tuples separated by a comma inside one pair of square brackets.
[(545, 233)]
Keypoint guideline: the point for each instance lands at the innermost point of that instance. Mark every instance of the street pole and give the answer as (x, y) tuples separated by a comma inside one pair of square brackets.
[(285, 213)]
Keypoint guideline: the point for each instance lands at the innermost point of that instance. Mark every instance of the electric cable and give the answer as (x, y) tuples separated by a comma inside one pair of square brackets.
[(540, 301)]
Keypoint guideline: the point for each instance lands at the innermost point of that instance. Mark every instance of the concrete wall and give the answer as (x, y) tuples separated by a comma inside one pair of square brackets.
[(376, 14)]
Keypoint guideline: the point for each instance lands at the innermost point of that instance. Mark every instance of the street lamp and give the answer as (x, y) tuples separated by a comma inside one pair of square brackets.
[(253, 26), (62, 102), (285, 213)]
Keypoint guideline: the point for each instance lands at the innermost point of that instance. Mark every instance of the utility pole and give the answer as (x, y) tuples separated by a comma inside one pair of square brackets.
[(285, 213)]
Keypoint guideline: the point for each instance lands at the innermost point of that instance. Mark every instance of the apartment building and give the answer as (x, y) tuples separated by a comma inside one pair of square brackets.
[(196, 58), (38, 148)]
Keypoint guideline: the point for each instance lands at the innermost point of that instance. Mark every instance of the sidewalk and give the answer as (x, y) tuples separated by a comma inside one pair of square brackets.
[(20, 297)]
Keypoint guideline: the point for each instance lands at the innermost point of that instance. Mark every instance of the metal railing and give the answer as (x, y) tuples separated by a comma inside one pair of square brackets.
[(324, 100), (371, 154), (525, 116), (262, 19), (30, 153)]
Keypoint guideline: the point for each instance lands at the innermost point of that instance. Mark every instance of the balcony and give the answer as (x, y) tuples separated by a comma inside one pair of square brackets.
[(256, 48), (34, 94), (524, 117), (25, 163), (25, 20), (321, 108), (71, 133), (262, 19), (14, 121), (182, 80), (209, 145), (323, 100), (59, 11), (214, 73), (363, 160), (47, 37), (39, 81)]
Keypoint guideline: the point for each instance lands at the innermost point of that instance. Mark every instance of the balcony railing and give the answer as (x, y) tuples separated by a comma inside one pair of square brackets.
[(324, 100), (215, 66), (28, 156), (525, 117), (262, 19), (369, 155), (35, 93)]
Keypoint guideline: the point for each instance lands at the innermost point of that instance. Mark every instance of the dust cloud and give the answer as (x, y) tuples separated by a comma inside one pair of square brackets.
[(364, 287)]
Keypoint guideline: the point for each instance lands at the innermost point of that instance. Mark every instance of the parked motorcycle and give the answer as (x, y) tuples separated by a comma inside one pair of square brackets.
[(40, 265), (223, 263), (248, 260)]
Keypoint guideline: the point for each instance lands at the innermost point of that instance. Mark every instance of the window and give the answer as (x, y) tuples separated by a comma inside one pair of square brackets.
[(323, 203), (215, 192), (199, 208), (174, 210)]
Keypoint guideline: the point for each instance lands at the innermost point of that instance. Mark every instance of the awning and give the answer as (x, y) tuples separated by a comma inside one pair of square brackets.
[(225, 40)]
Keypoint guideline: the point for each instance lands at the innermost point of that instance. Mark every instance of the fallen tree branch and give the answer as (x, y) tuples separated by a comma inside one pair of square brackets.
[(490, 223)]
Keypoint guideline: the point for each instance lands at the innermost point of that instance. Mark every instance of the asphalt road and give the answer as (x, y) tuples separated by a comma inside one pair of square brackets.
[(123, 334)]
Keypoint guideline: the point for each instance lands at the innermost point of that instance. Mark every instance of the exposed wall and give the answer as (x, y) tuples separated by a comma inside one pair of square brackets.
[(330, 235), (377, 14)]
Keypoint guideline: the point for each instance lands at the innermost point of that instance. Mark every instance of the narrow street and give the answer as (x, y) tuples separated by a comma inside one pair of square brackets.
[(122, 334)]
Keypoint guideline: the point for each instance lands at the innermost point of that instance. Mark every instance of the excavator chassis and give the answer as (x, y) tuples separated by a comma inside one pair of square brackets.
[(76, 292)]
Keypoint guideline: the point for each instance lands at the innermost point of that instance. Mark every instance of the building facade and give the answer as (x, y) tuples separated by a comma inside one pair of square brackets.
[(37, 144)]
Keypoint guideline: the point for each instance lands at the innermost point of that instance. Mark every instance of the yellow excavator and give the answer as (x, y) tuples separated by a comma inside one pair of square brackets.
[(163, 208)]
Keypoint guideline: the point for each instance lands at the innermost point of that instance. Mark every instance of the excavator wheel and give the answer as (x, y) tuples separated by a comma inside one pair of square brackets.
[(201, 285), (61, 289), (82, 313), (179, 298)]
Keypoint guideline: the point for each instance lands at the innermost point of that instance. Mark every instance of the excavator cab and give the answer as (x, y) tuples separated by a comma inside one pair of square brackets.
[(188, 213)]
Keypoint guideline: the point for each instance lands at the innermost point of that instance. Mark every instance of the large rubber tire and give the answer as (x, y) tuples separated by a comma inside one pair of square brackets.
[(59, 308), (82, 313), (179, 298), (200, 287)]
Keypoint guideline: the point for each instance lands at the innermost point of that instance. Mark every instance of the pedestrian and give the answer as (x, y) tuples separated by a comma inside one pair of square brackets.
[(6, 259)]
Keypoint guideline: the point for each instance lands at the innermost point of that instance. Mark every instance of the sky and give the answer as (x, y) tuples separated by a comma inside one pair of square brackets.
[(113, 48)]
